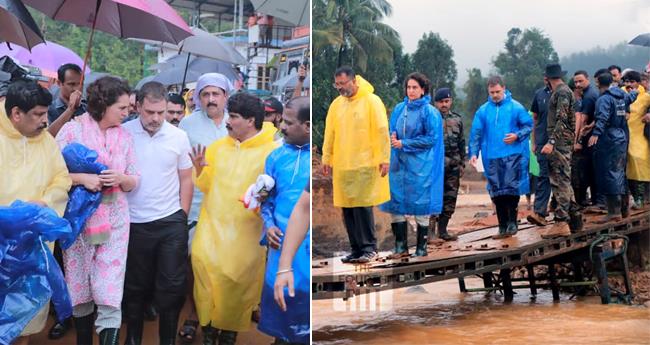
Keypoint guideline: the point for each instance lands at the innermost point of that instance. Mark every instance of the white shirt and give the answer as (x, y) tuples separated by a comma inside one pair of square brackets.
[(201, 130), (159, 157)]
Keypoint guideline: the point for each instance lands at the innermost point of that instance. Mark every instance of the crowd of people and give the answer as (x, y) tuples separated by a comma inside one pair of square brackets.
[(591, 142), (181, 216)]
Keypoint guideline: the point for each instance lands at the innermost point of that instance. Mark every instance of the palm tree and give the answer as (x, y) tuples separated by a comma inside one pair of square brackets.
[(354, 26)]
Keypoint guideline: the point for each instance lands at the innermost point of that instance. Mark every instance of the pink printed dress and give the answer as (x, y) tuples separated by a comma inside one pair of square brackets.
[(96, 272)]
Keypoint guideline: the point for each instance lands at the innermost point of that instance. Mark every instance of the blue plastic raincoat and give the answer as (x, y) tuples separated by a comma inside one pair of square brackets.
[(417, 170), (82, 203), (29, 275), (289, 166), (506, 165), (610, 154)]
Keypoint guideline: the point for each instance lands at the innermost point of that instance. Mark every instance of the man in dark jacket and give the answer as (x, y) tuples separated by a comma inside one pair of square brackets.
[(610, 139), (558, 149)]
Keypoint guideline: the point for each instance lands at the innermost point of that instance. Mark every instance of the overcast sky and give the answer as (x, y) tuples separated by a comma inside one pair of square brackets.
[(477, 29)]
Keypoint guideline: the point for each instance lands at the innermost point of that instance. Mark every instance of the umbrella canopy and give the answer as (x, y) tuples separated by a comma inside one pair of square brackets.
[(290, 81), (48, 57), (293, 11), (641, 40), (204, 44), (18, 26), (174, 70), (147, 19)]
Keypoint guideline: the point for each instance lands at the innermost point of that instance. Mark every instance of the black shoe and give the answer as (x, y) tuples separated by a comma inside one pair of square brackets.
[(84, 329), (365, 258), (349, 258), (109, 336), (210, 335), (227, 338), (59, 329)]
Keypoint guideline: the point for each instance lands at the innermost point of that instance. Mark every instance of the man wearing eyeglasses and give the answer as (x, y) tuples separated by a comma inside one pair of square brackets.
[(356, 151), (175, 109)]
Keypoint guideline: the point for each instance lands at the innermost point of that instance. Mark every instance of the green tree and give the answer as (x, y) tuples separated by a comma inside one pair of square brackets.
[(355, 29), (435, 58), (475, 95), (350, 32), (523, 62)]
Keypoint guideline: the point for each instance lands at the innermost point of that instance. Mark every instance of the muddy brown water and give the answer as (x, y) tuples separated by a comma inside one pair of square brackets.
[(438, 313)]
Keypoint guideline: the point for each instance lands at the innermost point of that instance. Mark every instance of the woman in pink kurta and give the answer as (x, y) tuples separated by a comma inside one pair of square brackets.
[(96, 262)]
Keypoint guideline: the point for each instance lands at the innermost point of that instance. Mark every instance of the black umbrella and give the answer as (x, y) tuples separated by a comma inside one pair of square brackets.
[(17, 25), (641, 40)]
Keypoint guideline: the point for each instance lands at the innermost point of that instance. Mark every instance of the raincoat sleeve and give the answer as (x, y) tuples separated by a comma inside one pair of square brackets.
[(381, 149), (424, 142), (525, 123), (56, 194), (603, 109), (204, 181), (268, 206), (475, 134), (328, 140)]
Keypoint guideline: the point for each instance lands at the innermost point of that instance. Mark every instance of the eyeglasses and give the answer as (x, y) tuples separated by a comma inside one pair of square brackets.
[(340, 85)]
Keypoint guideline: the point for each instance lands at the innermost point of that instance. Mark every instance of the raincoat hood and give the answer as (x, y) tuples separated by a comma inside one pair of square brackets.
[(365, 88), (8, 129), (416, 104), (615, 92)]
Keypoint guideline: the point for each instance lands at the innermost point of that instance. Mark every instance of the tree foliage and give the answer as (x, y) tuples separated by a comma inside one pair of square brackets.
[(523, 62), (435, 58), (622, 54), (475, 95)]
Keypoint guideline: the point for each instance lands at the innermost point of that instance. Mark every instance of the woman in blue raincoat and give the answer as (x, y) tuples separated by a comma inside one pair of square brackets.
[(500, 131), (416, 164)]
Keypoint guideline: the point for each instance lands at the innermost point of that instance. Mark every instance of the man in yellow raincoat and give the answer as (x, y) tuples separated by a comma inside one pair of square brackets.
[(356, 151), (638, 151), (31, 164), (227, 260)]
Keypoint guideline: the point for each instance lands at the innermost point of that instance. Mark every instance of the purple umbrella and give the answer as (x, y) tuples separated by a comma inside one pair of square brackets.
[(47, 56)]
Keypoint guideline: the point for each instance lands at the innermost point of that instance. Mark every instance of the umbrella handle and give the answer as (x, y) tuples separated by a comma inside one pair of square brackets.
[(90, 44)]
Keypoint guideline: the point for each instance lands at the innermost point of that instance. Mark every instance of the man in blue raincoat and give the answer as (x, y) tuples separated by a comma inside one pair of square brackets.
[(500, 133), (610, 139), (289, 166)]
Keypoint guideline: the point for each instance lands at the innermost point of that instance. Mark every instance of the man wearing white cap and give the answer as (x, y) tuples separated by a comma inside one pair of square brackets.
[(203, 126)]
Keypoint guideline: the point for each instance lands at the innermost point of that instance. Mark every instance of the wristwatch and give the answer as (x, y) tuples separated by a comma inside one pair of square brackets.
[(552, 142)]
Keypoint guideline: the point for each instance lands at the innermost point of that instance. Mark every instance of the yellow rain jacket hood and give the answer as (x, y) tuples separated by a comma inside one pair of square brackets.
[(227, 260), (356, 142), (638, 151), (31, 168)]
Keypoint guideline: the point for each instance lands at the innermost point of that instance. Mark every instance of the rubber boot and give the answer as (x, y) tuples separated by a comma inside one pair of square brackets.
[(167, 325), (625, 206), (575, 221), (109, 336), (401, 243), (433, 222), (502, 217), (84, 328), (421, 245), (442, 230), (210, 335), (227, 338), (512, 226)]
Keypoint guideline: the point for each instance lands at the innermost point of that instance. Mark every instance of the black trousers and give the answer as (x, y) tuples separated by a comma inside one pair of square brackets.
[(506, 206), (360, 225), (156, 265)]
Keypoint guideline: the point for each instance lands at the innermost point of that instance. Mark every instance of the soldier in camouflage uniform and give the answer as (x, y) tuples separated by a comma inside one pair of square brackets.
[(561, 138), (454, 162)]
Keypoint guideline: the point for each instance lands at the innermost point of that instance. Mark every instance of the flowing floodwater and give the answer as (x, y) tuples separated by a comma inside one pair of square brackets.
[(438, 313)]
